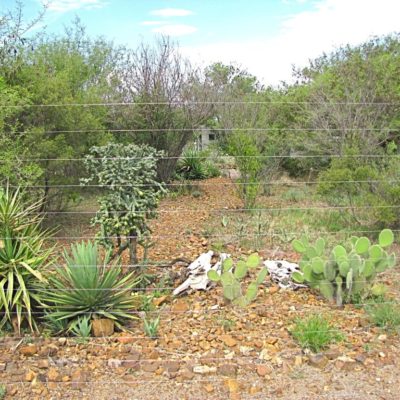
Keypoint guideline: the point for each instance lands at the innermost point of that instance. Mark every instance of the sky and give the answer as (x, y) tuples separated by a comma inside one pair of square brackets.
[(265, 37)]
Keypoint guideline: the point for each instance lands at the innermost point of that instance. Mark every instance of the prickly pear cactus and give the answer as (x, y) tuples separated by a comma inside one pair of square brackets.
[(346, 271), (231, 276)]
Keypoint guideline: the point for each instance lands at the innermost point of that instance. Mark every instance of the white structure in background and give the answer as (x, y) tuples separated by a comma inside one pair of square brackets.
[(204, 138)]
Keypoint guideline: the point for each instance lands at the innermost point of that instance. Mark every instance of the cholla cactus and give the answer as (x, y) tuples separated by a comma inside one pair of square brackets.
[(349, 270), (231, 276)]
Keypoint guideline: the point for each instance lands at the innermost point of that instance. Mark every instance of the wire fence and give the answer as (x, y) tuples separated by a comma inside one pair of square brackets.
[(168, 315)]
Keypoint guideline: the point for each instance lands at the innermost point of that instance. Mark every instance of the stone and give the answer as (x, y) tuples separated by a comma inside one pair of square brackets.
[(382, 338), (29, 350), (209, 388), (298, 360), (204, 369), (187, 375), (3, 366), (172, 366), (43, 364), (332, 354), (227, 370), (263, 370), (264, 355), (180, 307), (318, 360), (102, 327), (30, 376), (114, 363), (78, 379), (232, 385), (53, 375), (228, 340), (150, 366)]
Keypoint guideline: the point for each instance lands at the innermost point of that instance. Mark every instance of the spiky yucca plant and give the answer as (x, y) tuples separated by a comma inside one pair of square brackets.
[(23, 259), (88, 286)]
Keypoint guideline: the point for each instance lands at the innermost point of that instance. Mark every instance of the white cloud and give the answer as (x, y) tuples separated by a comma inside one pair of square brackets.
[(303, 36), (175, 30), (69, 5), (153, 23), (171, 12)]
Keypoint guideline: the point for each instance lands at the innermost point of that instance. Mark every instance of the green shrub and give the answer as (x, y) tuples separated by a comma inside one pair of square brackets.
[(87, 286), (194, 165), (247, 158), (348, 271), (231, 276), (81, 327), (385, 315), (23, 259), (315, 333), (3, 391), (128, 175), (151, 327)]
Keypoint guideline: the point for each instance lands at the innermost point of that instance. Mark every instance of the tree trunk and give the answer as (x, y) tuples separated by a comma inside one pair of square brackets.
[(133, 248)]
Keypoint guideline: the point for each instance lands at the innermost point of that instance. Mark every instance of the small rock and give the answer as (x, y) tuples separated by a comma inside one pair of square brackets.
[(382, 354), (209, 388), (228, 340), (245, 350), (227, 370), (298, 361), (114, 363), (29, 351), (78, 379), (264, 355), (172, 366), (382, 338), (180, 307), (3, 366), (263, 370), (318, 360), (62, 341), (43, 364), (332, 354), (53, 375), (30, 376), (160, 300), (273, 289), (150, 366), (187, 375), (204, 369), (232, 385)]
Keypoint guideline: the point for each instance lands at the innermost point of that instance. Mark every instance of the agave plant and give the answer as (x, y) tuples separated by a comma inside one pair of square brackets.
[(23, 259), (88, 287)]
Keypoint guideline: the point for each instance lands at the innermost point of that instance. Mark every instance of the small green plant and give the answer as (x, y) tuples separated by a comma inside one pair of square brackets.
[(3, 391), (385, 315), (81, 327), (315, 333), (89, 286), (231, 276), (348, 272), (151, 327), (226, 324)]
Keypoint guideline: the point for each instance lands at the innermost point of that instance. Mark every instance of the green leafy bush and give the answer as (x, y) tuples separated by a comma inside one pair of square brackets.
[(194, 165), (128, 174), (231, 276), (247, 157), (23, 259), (87, 287), (315, 333), (348, 271)]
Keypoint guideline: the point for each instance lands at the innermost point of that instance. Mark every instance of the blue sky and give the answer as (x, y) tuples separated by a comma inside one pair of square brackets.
[(264, 36)]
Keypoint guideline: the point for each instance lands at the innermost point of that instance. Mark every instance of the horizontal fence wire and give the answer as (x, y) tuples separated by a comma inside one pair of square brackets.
[(188, 103), (210, 157), (205, 184)]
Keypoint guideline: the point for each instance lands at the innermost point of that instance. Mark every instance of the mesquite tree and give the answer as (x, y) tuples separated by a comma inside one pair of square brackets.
[(128, 176)]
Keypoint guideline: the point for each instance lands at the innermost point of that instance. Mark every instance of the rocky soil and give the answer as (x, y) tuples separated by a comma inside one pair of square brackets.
[(206, 349)]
